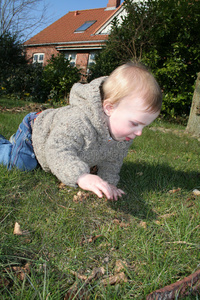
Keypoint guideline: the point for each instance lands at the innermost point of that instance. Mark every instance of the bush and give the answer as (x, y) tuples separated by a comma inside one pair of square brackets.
[(33, 81), (58, 77), (162, 35)]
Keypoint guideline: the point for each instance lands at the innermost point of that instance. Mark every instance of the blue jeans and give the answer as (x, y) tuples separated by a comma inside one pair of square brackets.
[(18, 152)]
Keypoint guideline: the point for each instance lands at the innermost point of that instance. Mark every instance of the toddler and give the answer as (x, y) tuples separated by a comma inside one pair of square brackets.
[(96, 129)]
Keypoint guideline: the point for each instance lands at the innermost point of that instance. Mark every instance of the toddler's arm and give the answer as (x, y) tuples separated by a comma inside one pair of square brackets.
[(98, 186)]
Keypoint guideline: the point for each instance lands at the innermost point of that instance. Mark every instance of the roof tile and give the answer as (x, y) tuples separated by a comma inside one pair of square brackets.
[(63, 30)]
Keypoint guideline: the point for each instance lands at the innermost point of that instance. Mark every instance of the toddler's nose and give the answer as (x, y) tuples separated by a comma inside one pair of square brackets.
[(138, 132)]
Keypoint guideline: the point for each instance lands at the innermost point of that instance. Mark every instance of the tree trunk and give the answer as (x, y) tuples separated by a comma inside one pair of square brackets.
[(193, 125)]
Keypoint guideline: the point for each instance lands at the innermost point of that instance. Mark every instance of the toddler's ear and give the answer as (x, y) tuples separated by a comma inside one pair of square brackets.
[(108, 107)]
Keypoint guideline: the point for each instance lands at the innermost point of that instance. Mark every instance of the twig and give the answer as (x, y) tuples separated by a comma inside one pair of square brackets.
[(181, 242)]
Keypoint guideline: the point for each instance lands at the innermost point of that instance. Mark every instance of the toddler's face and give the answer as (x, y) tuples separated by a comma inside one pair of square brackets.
[(127, 118)]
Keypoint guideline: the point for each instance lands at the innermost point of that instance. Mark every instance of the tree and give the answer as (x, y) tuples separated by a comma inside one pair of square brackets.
[(21, 17), (164, 36), (193, 126), (59, 76), (11, 57)]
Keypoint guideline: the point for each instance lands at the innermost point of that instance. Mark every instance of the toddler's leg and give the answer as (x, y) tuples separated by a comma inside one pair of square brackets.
[(5, 151), (22, 155), (18, 152)]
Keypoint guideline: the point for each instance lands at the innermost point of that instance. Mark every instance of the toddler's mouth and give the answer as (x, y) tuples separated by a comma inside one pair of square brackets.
[(128, 139)]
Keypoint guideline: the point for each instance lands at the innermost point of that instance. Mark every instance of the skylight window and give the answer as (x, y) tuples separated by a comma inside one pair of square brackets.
[(85, 26)]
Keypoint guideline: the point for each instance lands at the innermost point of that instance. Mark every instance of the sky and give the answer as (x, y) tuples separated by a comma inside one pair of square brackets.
[(57, 9), (61, 7)]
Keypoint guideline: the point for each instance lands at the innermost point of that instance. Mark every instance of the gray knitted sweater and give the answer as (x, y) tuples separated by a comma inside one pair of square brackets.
[(69, 140)]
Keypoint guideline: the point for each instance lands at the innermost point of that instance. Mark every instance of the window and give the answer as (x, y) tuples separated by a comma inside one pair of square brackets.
[(85, 26), (91, 60), (71, 56), (38, 58)]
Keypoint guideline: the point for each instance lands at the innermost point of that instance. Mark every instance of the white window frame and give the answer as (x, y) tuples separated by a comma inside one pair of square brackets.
[(91, 60), (71, 56), (38, 58)]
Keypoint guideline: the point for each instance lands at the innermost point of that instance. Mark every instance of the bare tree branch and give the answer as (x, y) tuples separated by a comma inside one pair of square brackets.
[(21, 17)]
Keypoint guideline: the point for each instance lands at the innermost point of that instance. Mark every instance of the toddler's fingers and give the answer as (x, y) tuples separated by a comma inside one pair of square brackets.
[(121, 192), (97, 192)]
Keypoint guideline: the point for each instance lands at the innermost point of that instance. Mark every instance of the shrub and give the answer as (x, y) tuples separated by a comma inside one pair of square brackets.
[(58, 77), (162, 35)]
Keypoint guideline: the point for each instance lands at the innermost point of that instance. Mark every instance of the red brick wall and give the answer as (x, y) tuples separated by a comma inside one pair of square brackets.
[(47, 50), (82, 61)]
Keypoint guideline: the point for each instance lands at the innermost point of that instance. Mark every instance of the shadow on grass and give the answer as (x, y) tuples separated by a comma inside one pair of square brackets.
[(144, 183)]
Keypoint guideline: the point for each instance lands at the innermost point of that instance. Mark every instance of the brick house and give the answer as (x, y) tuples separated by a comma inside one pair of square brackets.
[(78, 34)]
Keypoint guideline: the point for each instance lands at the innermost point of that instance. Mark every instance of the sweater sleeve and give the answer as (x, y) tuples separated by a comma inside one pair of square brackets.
[(62, 149), (109, 172), (109, 169)]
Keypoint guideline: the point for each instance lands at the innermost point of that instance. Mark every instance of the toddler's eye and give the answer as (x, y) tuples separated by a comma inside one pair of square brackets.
[(134, 123)]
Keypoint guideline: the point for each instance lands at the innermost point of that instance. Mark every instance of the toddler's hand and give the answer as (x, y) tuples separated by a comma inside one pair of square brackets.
[(98, 186)]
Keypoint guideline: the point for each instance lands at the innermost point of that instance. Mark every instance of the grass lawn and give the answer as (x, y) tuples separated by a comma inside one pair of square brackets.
[(101, 249)]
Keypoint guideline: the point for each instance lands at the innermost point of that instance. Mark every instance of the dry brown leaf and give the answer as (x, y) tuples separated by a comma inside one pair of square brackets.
[(62, 186), (143, 224), (4, 282), (80, 196), (116, 221), (91, 239), (190, 204), (121, 224), (167, 216), (120, 265), (139, 173), (76, 293), (196, 192), (79, 276), (18, 271), (115, 279), (21, 271), (96, 273), (157, 222), (18, 231), (174, 190)]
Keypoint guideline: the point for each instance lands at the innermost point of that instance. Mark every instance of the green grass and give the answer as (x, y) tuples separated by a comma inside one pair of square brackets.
[(9, 101), (155, 232)]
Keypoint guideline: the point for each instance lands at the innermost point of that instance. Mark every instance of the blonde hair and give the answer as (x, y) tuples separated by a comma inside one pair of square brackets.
[(133, 78)]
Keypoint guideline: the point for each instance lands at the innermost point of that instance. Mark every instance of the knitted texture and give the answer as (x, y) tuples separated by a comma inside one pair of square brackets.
[(68, 141)]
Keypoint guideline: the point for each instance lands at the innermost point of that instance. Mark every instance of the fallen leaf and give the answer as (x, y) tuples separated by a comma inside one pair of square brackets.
[(157, 222), (174, 190), (62, 186), (81, 196), (143, 224), (96, 273), (18, 231), (4, 282), (120, 265), (77, 293), (22, 271), (121, 224), (91, 239), (79, 276), (196, 192), (167, 216), (139, 173), (114, 279), (190, 204)]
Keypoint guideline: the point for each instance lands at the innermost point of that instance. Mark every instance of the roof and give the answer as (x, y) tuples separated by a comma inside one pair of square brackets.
[(63, 30)]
